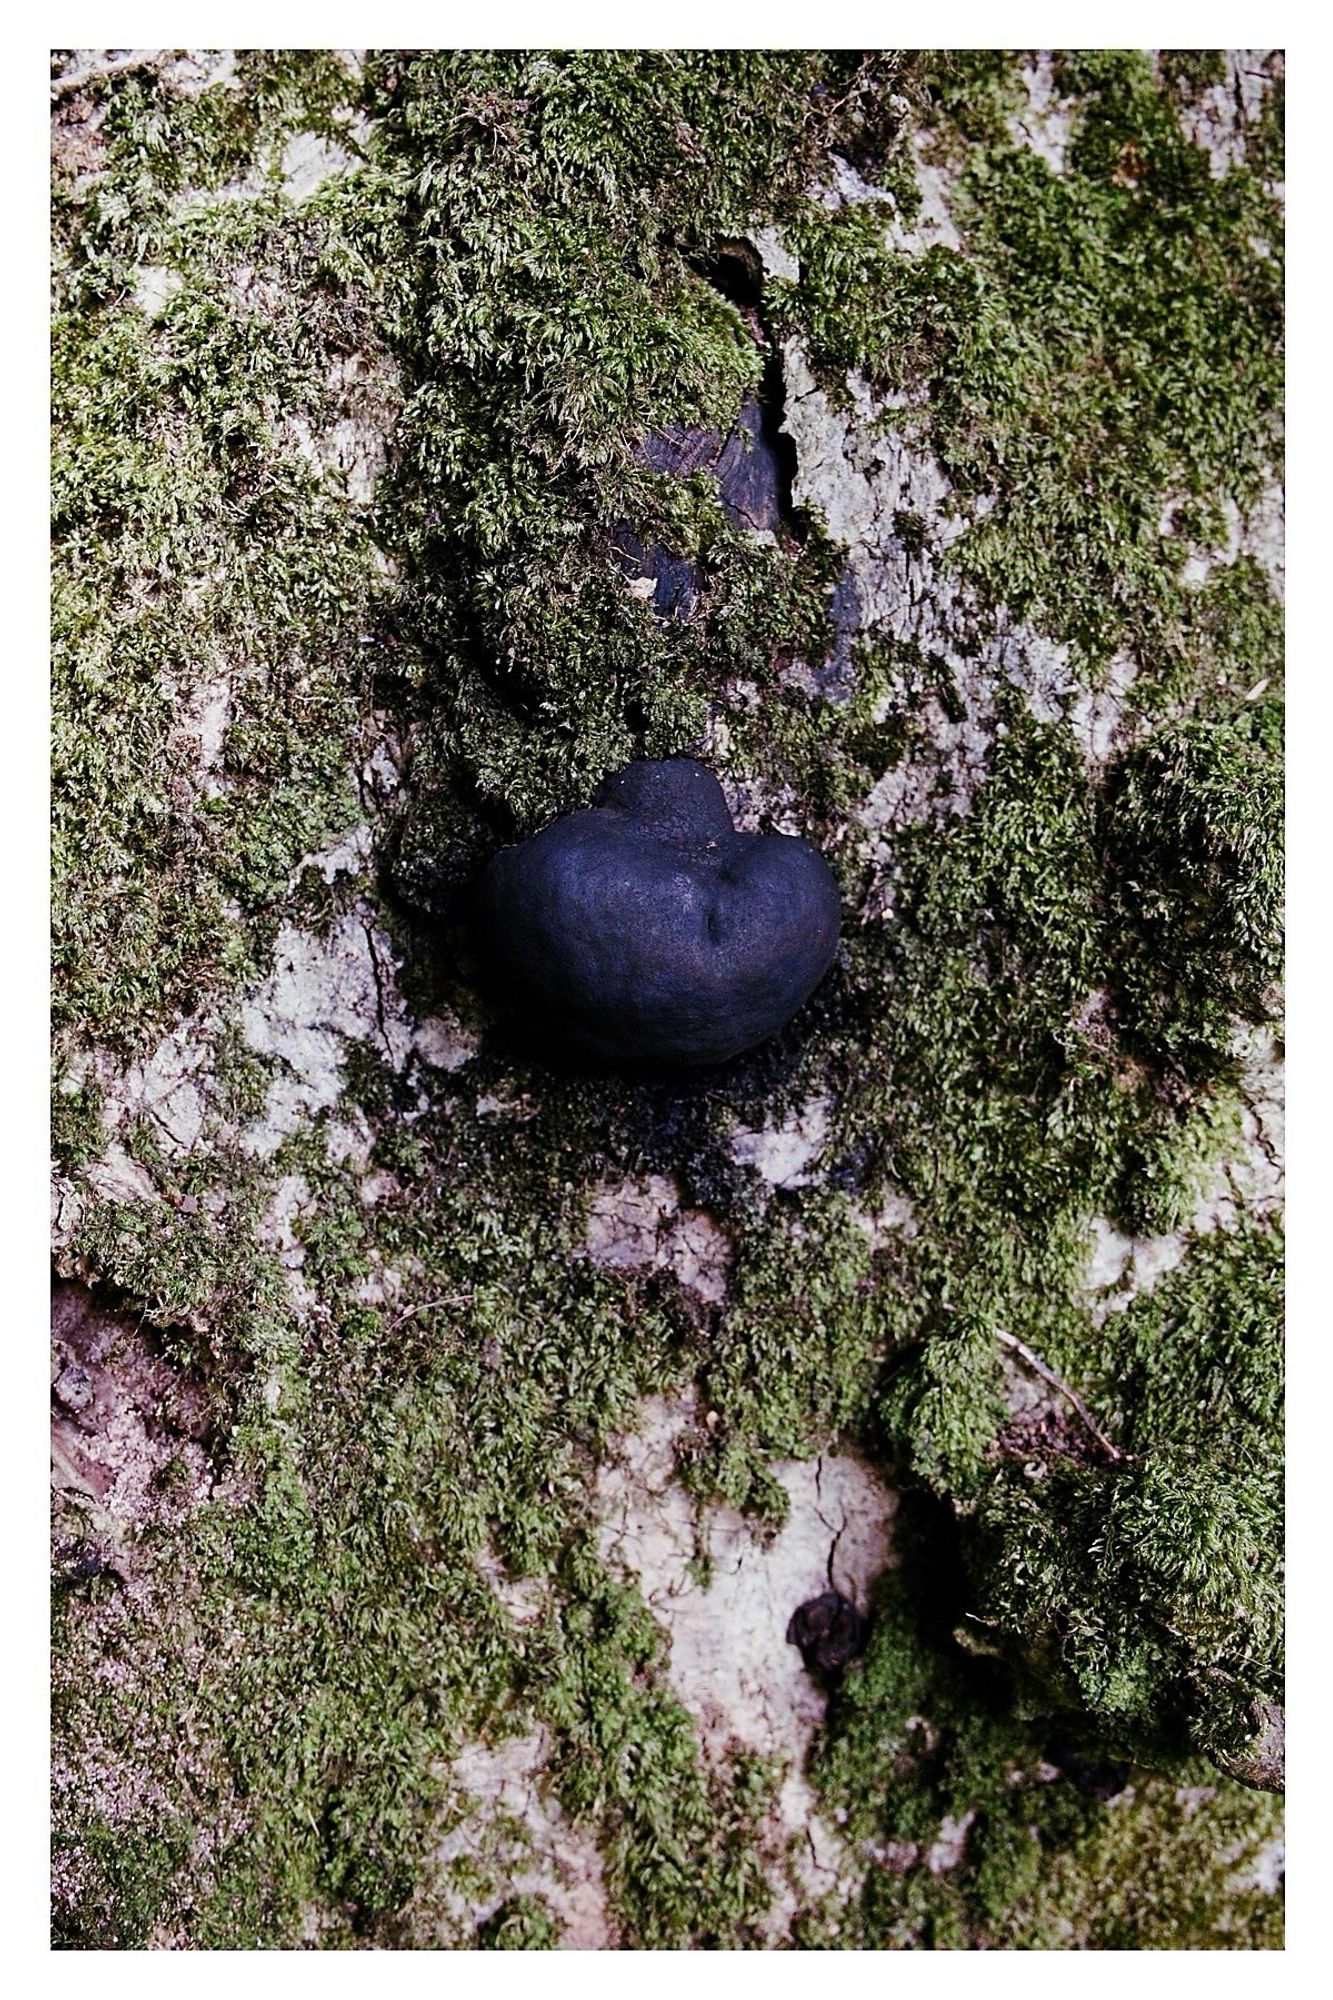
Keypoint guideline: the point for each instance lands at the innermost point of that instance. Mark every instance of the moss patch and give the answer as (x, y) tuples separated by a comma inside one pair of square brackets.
[(506, 287), (981, 1839)]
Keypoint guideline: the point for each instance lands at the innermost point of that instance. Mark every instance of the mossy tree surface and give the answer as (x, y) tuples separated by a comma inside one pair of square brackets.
[(354, 361)]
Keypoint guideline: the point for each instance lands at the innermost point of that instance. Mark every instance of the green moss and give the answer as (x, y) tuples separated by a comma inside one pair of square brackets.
[(374, 1496), (1040, 1035), (522, 428), (123, 1885), (1152, 1590), (524, 1923), (1194, 818), (1106, 344), (77, 1134), (199, 559), (923, 1754), (793, 1364)]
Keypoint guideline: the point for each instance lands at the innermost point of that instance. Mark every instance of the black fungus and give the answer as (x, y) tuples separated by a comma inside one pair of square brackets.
[(646, 929), (829, 1631)]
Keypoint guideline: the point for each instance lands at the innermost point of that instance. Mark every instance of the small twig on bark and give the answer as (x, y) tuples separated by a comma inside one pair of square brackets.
[(1071, 1396), (61, 86), (428, 1305)]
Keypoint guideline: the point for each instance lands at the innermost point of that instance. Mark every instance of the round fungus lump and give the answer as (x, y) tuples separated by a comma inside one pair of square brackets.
[(829, 1631), (647, 929)]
